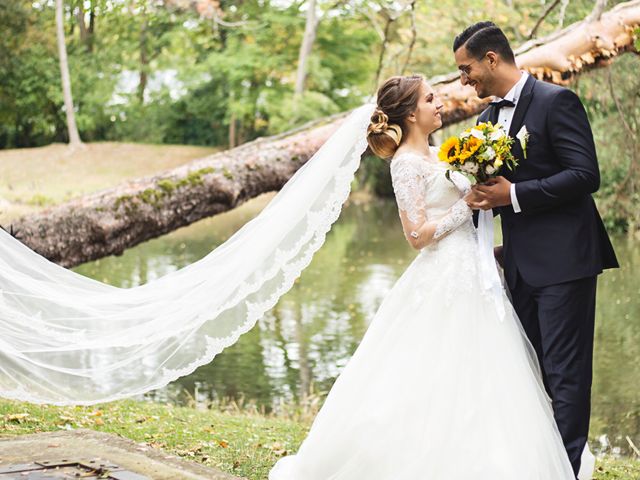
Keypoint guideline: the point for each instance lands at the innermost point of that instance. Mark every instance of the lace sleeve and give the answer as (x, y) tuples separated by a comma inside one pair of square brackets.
[(411, 178), (456, 216), (408, 185), (461, 182)]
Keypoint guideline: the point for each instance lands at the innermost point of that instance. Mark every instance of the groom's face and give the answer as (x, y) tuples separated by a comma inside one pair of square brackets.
[(474, 72)]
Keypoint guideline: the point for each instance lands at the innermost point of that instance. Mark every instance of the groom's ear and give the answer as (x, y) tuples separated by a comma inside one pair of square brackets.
[(492, 58)]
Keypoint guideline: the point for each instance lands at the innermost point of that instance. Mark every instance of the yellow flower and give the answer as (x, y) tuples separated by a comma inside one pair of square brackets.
[(464, 155), (473, 144), (498, 162), (449, 150)]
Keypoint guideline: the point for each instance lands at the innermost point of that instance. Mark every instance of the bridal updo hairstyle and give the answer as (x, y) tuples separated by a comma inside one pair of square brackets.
[(397, 99)]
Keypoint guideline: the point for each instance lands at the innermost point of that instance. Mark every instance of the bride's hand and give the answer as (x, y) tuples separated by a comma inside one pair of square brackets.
[(472, 198)]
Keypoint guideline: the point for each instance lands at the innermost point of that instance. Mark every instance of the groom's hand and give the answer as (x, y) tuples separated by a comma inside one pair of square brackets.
[(472, 198), (496, 192)]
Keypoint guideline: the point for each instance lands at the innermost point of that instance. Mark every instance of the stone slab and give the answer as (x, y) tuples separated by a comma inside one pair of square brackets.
[(89, 445)]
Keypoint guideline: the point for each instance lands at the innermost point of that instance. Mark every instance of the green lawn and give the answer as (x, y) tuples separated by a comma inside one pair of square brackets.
[(245, 444), (33, 178)]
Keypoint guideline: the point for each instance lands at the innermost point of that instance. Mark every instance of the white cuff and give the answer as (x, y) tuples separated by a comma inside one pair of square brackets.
[(514, 199)]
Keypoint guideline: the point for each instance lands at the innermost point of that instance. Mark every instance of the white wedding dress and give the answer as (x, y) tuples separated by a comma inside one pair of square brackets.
[(441, 387)]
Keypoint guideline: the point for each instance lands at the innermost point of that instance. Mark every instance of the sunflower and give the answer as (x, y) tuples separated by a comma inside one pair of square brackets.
[(473, 144), (449, 150)]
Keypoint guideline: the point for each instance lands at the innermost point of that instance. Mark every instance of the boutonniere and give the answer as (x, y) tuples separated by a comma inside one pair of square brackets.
[(523, 137)]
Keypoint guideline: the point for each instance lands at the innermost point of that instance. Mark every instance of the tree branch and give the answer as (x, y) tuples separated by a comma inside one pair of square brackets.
[(548, 10), (597, 11)]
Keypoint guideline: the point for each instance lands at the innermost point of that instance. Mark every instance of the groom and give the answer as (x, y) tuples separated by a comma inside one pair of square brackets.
[(555, 244)]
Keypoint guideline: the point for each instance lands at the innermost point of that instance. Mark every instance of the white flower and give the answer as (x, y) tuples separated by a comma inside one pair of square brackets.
[(477, 133), (523, 137), (497, 135), (470, 167), (465, 134), (490, 170), (489, 154)]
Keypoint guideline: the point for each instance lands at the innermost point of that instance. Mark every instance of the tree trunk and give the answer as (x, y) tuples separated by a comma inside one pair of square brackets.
[(92, 22), (108, 222), (74, 136), (383, 50), (144, 60), (81, 24), (86, 32), (310, 29), (232, 130)]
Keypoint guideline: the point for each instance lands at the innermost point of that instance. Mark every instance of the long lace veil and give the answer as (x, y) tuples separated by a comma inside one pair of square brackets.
[(66, 339)]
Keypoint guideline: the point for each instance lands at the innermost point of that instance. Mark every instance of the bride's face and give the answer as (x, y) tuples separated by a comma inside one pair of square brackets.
[(427, 115)]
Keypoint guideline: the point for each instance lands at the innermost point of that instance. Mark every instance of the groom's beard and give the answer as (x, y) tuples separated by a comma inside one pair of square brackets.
[(484, 87), (478, 87), (484, 90)]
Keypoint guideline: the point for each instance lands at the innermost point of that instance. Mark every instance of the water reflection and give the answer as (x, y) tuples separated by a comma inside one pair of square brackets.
[(308, 337)]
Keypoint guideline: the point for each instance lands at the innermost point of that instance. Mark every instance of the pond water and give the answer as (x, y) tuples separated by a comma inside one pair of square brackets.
[(302, 344)]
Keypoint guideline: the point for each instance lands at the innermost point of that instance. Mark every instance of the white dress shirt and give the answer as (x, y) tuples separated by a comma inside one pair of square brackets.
[(504, 118)]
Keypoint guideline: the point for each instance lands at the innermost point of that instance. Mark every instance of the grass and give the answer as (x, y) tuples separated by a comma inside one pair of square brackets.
[(244, 443), (35, 178)]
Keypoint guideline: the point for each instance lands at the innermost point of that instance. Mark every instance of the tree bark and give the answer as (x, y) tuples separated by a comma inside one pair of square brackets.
[(74, 136), (108, 222)]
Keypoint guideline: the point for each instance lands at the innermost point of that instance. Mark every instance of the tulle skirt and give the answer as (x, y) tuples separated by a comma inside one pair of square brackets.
[(440, 388)]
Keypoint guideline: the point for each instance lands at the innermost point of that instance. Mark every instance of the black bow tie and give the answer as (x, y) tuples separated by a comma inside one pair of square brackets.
[(502, 103)]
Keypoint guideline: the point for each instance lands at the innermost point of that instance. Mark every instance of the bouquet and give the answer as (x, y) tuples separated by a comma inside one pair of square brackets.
[(480, 151)]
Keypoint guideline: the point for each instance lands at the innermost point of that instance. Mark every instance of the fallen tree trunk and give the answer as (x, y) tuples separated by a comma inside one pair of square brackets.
[(108, 222)]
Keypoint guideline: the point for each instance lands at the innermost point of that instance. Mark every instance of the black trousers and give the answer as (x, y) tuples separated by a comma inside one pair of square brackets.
[(559, 321)]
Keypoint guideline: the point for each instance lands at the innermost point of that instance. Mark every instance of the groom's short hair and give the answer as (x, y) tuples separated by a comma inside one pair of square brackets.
[(483, 37)]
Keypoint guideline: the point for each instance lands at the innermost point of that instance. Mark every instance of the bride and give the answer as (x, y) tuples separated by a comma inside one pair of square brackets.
[(444, 385)]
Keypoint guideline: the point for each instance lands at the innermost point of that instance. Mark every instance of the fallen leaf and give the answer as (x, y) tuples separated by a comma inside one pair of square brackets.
[(16, 417)]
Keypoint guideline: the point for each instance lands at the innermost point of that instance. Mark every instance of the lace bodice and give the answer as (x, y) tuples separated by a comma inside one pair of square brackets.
[(425, 194)]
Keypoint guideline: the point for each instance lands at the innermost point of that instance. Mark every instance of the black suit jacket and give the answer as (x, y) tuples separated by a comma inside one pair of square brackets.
[(559, 235)]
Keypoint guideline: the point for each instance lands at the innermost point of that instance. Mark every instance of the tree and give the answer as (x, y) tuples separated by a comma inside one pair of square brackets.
[(30, 73), (74, 136)]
